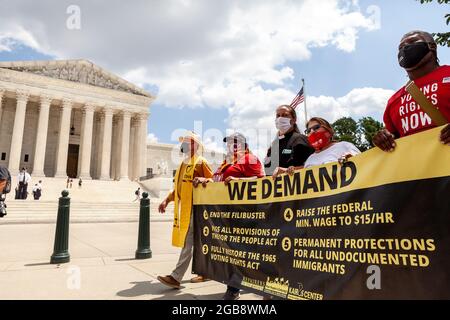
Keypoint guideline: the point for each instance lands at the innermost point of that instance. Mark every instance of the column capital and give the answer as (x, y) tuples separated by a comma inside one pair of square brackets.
[(45, 99), (141, 116), (22, 95), (126, 113), (89, 107), (66, 103), (134, 122), (108, 111)]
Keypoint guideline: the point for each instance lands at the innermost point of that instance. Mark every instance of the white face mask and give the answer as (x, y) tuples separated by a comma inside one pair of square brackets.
[(283, 124)]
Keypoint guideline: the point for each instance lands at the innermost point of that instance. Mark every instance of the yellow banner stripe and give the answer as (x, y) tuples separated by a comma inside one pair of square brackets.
[(410, 161)]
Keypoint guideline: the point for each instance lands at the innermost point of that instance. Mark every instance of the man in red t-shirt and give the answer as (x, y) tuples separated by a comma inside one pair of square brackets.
[(239, 164), (403, 116)]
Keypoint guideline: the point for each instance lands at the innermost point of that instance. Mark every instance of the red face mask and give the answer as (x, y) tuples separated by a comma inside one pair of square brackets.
[(319, 139)]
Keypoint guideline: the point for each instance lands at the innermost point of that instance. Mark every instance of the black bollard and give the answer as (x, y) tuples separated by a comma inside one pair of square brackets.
[(61, 247), (143, 251)]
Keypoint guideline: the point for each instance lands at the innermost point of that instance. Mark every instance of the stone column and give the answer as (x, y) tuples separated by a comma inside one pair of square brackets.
[(137, 149), (2, 93), (132, 155), (106, 144), (114, 149), (17, 135), (41, 137), (143, 128), (63, 141), (125, 145), (139, 145), (86, 142)]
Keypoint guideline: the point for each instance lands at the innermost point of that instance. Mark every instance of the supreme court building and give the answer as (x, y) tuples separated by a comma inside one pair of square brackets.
[(72, 118)]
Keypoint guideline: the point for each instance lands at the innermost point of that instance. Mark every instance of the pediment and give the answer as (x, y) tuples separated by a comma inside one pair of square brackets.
[(81, 71)]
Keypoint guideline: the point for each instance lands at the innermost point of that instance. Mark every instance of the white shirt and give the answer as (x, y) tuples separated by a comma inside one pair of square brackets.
[(331, 154), (27, 177)]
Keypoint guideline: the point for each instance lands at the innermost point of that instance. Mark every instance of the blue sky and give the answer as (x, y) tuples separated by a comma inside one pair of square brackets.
[(329, 71)]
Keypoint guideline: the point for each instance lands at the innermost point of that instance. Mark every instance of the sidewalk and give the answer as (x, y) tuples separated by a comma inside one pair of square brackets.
[(102, 263)]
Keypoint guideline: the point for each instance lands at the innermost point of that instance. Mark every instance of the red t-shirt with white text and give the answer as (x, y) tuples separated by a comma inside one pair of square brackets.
[(403, 115)]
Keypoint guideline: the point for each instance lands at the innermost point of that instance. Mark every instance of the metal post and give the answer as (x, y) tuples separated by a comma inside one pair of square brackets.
[(61, 247), (304, 100), (143, 251)]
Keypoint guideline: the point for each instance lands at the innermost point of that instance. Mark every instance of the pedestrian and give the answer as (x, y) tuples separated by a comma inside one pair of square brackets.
[(417, 55), (192, 166), (36, 191), (80, 182), (5, 187), (23, 178), (137, 193)]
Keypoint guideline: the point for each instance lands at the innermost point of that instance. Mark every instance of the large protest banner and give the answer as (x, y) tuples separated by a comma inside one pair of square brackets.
[(377, 227)]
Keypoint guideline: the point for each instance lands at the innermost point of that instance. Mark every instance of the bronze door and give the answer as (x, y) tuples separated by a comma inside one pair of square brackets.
[(72, 160)]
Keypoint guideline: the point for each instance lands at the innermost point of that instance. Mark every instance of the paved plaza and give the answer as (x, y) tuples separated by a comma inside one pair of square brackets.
[(102, 265)]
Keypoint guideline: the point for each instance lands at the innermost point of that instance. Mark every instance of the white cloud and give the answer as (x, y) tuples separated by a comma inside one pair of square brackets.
[(258, 122), (14, 35), (220, 54), (152, 138), (195, 52)]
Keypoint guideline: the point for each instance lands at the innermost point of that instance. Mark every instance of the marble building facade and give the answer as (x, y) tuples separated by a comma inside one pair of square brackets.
[(72, 118)]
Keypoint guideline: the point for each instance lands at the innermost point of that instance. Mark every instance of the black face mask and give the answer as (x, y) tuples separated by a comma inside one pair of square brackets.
[(185, 147), (411, 54)]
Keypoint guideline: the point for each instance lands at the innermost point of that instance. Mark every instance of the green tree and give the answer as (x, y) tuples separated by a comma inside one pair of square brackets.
[(346, 129), (442, 38), (368, 127)]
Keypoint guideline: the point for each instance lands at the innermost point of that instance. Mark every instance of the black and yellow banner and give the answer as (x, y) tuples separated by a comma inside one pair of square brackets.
[(377, 227)]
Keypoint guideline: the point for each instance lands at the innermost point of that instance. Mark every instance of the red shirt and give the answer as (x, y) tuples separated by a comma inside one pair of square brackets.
[(404, 117), (249, 166)]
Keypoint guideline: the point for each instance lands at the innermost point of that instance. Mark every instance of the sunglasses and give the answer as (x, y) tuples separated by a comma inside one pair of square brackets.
[(313, 128)]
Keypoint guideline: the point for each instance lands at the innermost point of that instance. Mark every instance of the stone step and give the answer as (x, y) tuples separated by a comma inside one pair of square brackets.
[(31, 211), (81, 219)]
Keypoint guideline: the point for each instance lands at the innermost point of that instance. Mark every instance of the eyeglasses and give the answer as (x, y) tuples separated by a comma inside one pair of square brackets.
[(313, 128)]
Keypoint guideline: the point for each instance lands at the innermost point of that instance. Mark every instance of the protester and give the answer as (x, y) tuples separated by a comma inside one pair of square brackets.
[(320, 136), (137, 194), (5, 187), (23, 178), (36, 191), (290, 149), (192, 166), (239, 164), (417, 55)]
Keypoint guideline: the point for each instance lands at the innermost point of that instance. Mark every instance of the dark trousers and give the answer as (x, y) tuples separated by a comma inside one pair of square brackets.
[(232, 289), (23, 190)]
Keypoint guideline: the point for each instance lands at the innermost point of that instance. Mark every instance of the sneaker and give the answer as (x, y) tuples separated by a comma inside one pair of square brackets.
[(229, 295), (199, 279), (169, 281)]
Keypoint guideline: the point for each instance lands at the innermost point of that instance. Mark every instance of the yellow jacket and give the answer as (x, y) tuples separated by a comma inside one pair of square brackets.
[(182, 195)]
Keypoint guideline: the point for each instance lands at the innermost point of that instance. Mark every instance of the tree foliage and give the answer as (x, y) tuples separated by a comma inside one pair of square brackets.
[(360, 132), (442, 38)]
